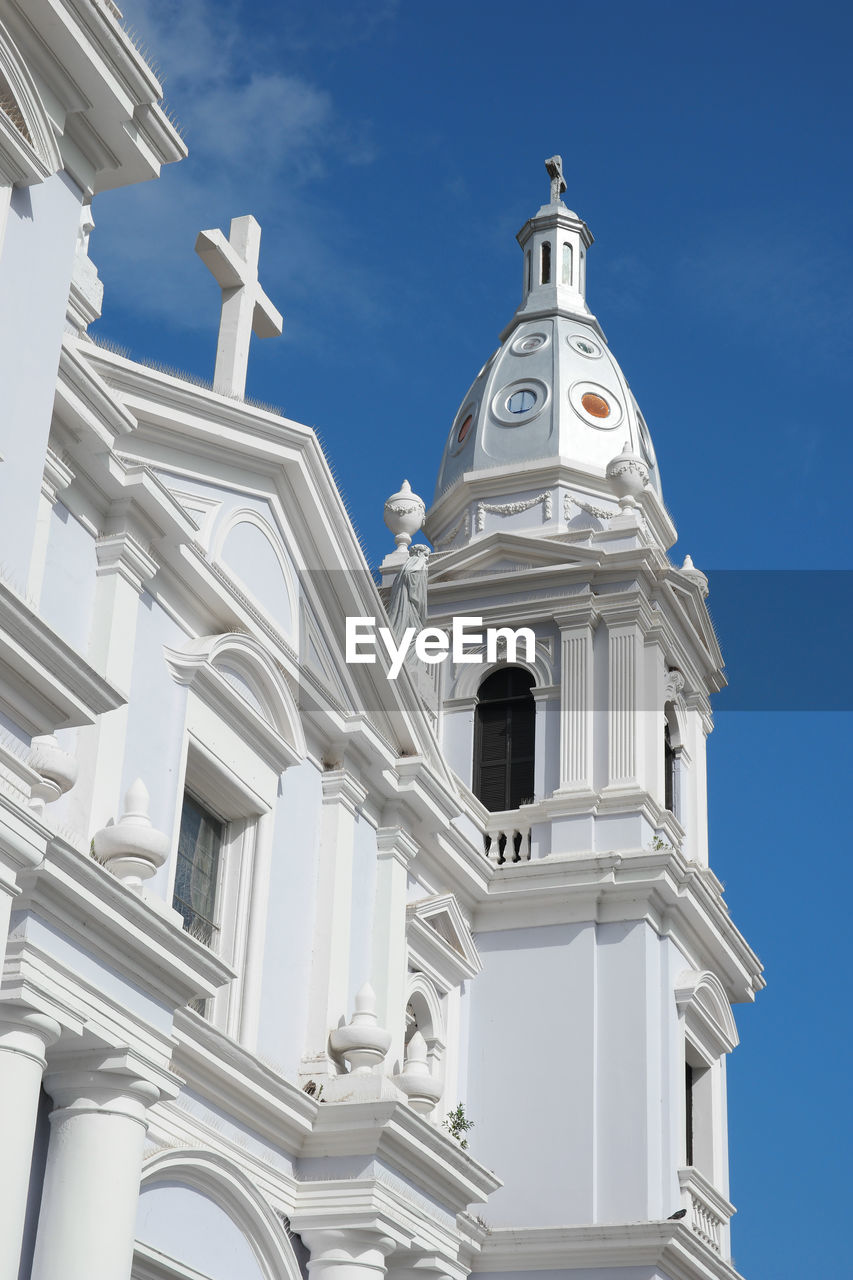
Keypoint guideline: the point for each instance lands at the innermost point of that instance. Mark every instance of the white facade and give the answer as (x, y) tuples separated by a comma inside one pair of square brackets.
[(252, 1083)]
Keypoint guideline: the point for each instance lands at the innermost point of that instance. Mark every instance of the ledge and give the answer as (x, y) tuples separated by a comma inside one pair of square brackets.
[(84, 902), (229, 1076), (44, 684), (675, 895), (668, 1245), (394, 1134)]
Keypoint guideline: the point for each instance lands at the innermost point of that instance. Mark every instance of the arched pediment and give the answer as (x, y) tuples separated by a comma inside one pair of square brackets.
[(250, 549), (202, 1211), (236, 675), (470, 676), (28, 150), (702, 1001)]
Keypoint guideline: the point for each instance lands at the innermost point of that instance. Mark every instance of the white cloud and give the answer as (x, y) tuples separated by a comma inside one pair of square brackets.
[(259, 131)]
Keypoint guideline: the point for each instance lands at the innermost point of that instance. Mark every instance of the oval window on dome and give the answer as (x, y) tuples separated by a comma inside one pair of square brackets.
[(596, 406), (521, 401), (464, 428)]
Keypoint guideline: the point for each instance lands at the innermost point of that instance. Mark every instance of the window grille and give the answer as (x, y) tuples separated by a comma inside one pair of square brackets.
[(197, 873)]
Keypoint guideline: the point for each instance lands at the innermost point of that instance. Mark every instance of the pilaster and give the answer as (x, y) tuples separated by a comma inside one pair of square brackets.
[(343, 798), (57, 477), (395, 853), (576, 703), (124, 569)]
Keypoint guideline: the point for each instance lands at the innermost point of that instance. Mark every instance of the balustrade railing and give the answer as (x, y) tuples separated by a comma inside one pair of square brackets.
[(507, 837), (708, 1212)]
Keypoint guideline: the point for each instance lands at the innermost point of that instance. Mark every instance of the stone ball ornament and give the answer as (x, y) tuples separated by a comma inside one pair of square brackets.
[(404, 514), (628, 475)]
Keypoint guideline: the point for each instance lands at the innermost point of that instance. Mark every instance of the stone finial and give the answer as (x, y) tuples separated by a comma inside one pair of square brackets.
[(416, 1080), (362, 1042), (58, 770), (629, 475), (695, 575), (404, 515), (132, 848)]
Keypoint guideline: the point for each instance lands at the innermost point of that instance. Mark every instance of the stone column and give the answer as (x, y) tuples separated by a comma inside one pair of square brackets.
[(94, 1161), (347, 1254), (24, 1036)]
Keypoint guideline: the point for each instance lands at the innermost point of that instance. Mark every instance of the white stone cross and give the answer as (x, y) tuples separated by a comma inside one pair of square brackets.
[(245, 306)]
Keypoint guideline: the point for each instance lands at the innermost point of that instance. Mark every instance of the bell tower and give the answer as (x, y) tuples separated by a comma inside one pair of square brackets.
[(600, 1025)]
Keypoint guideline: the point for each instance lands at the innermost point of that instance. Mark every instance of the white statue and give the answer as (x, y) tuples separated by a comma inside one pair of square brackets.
[(408, 600)]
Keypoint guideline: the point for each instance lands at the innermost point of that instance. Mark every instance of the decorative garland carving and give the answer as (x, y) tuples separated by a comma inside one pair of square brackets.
[(513, 508), (600, 513)]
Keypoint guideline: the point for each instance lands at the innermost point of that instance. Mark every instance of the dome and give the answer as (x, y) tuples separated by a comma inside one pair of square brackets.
[(553, 390)]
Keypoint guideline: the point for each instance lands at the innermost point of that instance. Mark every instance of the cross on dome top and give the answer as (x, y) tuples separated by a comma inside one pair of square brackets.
[(554, 166), (245, 307)]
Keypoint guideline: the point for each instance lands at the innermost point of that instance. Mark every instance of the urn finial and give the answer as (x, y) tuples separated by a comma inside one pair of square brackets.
[(404, 514), (132, 848), (362, 1042)]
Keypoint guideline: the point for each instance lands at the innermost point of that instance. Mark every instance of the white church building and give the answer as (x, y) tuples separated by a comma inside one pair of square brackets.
[(307, 970)]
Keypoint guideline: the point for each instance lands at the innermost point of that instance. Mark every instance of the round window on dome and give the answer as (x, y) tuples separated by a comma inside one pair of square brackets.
[(521, 401), (464, 428), (596, 406)]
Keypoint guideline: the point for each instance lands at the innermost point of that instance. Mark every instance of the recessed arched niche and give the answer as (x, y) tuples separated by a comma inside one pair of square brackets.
[(252, 557)]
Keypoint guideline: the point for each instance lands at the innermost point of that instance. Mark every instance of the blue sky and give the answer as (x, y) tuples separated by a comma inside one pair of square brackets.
[(391, 151)]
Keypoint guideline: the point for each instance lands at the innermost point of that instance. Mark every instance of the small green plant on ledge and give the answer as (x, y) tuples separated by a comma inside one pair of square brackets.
[(457, 1125), (658, 844)]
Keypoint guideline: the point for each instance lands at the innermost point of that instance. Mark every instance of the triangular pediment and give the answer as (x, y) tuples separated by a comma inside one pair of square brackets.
[(501, 554), (693, 610), (440, 941)]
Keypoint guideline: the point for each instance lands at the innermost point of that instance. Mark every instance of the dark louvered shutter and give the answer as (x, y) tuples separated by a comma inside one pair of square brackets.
[(504, 737)]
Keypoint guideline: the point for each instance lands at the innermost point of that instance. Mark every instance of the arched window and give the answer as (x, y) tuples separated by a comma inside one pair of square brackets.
[(504, 738), (546, 263), (567, 263)]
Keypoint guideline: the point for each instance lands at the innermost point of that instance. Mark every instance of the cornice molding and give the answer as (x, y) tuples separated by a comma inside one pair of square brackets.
[(121, 553), (395, 1134), (44, 683), (675, 896), (340, 787), (138, 940), (669, 1245)]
